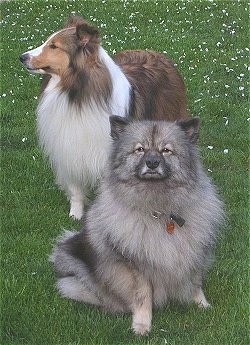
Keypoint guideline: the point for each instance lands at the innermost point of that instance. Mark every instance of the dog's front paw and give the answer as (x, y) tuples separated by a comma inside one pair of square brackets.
[(76, 212), (201, 300), (203, 304), (141, 328)]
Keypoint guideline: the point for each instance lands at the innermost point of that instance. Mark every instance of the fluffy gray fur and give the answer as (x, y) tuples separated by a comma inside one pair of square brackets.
[(124, 259)]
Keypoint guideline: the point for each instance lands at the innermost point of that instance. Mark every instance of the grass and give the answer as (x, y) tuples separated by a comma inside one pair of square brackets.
[(209, 42)]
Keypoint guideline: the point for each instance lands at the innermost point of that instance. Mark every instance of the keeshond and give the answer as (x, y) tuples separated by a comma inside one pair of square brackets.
[(149, 235)]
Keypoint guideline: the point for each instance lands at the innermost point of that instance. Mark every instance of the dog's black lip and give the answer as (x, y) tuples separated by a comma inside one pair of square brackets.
[(151, 175)]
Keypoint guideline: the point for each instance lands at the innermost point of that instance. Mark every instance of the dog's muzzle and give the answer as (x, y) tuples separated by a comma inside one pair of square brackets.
[(153, 167)]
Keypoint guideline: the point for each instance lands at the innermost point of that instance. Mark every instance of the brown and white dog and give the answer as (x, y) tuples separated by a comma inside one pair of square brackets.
[(85, 86)]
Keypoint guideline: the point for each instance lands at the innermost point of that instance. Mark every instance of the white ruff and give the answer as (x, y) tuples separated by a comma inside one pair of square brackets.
[(77, 142), (75, 139)]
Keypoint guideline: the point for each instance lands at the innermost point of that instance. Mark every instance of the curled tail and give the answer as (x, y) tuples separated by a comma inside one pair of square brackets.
[(73, 273)]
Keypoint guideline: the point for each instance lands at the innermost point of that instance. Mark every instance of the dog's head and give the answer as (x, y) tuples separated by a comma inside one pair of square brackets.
[(63, 49), (154, 150)]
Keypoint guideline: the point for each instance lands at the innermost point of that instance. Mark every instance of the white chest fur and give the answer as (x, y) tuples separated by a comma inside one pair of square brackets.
[(75, 140)]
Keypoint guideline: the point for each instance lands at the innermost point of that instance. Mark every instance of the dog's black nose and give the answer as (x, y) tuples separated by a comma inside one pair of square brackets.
[(24, 57), (152, 162)]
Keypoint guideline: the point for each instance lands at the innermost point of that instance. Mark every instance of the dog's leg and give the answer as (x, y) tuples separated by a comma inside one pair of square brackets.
[(128, 290), (198, 295), (76, 198), (142, 313), (200, 299)]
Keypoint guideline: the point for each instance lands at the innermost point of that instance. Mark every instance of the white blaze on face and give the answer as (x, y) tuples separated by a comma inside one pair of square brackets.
[(37, 51)]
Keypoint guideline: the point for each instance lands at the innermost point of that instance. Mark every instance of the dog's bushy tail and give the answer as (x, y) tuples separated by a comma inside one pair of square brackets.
[(72, 273), (61, 256)]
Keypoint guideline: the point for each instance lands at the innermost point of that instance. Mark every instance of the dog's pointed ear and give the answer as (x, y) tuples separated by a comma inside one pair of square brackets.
[(191, 128), (85, 32), (118, 125)]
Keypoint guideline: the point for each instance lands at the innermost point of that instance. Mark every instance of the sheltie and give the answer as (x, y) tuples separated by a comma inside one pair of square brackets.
[(83, 86)]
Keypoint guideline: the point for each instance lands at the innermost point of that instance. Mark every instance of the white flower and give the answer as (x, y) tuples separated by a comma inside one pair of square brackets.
[(226, 118)]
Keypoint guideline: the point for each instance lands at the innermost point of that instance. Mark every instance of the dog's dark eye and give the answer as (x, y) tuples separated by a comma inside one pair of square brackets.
[(53, 46), (139, 149), (167, 151)]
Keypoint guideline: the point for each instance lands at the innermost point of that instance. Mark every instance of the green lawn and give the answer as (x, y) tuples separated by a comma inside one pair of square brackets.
[(209, 42)]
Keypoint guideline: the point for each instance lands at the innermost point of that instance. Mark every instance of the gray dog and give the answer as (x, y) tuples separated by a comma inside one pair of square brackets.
[(148, 236)]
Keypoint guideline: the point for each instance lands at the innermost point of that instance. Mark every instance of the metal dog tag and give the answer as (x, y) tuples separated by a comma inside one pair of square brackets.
[(179, 220)]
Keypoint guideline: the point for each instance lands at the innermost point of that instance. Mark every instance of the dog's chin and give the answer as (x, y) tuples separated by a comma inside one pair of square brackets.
[(35, 71)]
